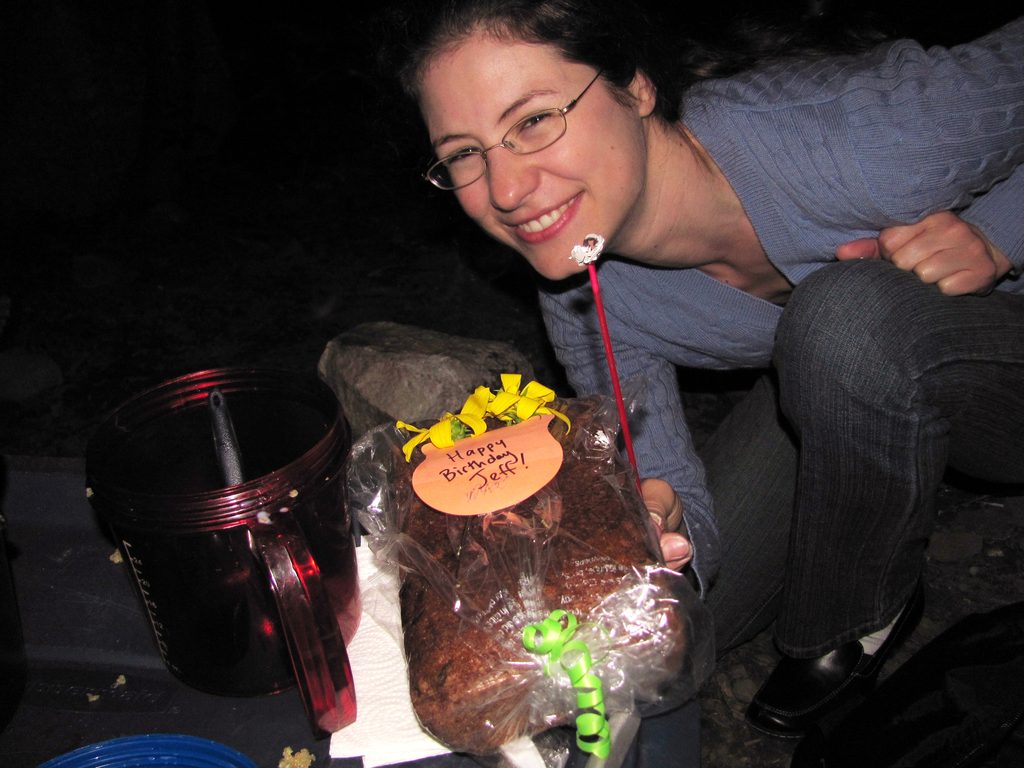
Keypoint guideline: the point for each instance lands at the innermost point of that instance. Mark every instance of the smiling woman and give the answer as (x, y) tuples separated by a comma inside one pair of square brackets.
[(537, 201), (836, 220)]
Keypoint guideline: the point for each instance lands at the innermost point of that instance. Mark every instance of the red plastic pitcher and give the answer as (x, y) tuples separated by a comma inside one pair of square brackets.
[(242, 554)]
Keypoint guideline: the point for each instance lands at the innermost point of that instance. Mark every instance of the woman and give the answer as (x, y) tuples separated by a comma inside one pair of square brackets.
[(799, 216)]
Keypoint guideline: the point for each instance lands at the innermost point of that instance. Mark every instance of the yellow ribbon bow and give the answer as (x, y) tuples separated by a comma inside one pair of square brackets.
[(453, 426), (509, 405), (513, 405)]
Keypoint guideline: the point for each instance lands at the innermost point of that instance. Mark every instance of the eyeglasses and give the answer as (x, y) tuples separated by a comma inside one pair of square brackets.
[(531, 134)]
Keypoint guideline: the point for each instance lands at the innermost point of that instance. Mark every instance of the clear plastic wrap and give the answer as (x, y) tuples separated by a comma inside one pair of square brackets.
[(473, 585)]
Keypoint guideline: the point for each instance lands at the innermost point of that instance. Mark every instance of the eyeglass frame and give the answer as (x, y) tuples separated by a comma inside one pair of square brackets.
[(561, 111)]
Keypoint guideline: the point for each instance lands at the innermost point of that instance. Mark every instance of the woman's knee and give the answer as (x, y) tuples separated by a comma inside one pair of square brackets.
[(848, 324)]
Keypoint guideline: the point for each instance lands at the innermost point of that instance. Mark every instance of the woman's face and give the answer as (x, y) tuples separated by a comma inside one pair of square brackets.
[(591, 180)]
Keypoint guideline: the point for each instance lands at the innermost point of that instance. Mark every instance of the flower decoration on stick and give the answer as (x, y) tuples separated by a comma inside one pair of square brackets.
[(589, 250), (587, 253)]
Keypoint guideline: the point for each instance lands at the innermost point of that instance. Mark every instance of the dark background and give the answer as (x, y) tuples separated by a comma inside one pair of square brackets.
[(186, 185), (190, 184)]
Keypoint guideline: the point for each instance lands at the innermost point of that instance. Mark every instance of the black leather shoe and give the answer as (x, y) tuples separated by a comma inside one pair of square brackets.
[(800, 691)]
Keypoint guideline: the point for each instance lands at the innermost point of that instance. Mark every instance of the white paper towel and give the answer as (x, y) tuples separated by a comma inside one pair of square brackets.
[(386, 729)]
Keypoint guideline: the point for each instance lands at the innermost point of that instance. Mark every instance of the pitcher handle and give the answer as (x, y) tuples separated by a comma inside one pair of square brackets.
[(315, 645)]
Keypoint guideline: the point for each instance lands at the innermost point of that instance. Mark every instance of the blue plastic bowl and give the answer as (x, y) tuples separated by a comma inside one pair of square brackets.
[(156, 749)]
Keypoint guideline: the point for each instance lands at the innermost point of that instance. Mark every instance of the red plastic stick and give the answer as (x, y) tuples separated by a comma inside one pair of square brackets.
[(613, 372)]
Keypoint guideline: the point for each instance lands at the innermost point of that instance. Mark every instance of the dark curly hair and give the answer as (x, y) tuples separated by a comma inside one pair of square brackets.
[(617, 37), (614, 37)]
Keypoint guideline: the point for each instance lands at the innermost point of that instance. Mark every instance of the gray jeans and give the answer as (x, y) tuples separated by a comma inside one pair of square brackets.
[(824, 477)]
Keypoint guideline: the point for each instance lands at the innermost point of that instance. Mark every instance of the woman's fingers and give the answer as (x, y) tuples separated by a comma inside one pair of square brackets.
[(864, 248), (941, 249), (666, 512), (663, 503), (676, 550)]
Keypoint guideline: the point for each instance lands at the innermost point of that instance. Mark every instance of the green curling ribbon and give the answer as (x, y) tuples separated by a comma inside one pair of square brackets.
[(553, 637)]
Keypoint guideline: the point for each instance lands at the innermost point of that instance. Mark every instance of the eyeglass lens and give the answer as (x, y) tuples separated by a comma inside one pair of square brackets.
[(531, 134)]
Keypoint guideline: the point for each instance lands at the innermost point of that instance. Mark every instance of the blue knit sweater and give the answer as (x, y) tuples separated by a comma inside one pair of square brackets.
[(819, 153)]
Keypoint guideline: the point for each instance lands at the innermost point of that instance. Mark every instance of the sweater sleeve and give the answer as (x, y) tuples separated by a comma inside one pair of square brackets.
[(661, 439), (960, 130), (941, 129), (999, 215), (824, 151)]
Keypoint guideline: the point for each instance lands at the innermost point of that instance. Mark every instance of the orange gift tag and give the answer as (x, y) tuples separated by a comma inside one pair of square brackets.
[(490, 471)]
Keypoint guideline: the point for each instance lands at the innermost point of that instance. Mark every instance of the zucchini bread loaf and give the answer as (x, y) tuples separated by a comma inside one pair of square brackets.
[(470, 584)]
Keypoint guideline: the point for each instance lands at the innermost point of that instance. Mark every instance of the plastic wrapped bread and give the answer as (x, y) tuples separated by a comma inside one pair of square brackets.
[(472, 585)]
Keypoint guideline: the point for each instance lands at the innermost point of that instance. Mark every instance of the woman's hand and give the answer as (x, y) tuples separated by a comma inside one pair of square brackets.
[(667, 515), (942, 249)]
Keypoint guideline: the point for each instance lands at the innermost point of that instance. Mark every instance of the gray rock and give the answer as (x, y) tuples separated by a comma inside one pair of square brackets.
[(384, 371)]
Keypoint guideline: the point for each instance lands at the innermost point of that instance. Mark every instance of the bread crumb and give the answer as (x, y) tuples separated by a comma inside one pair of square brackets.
[(116, 557), (121, 680), (92, 698), (300, 759)]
